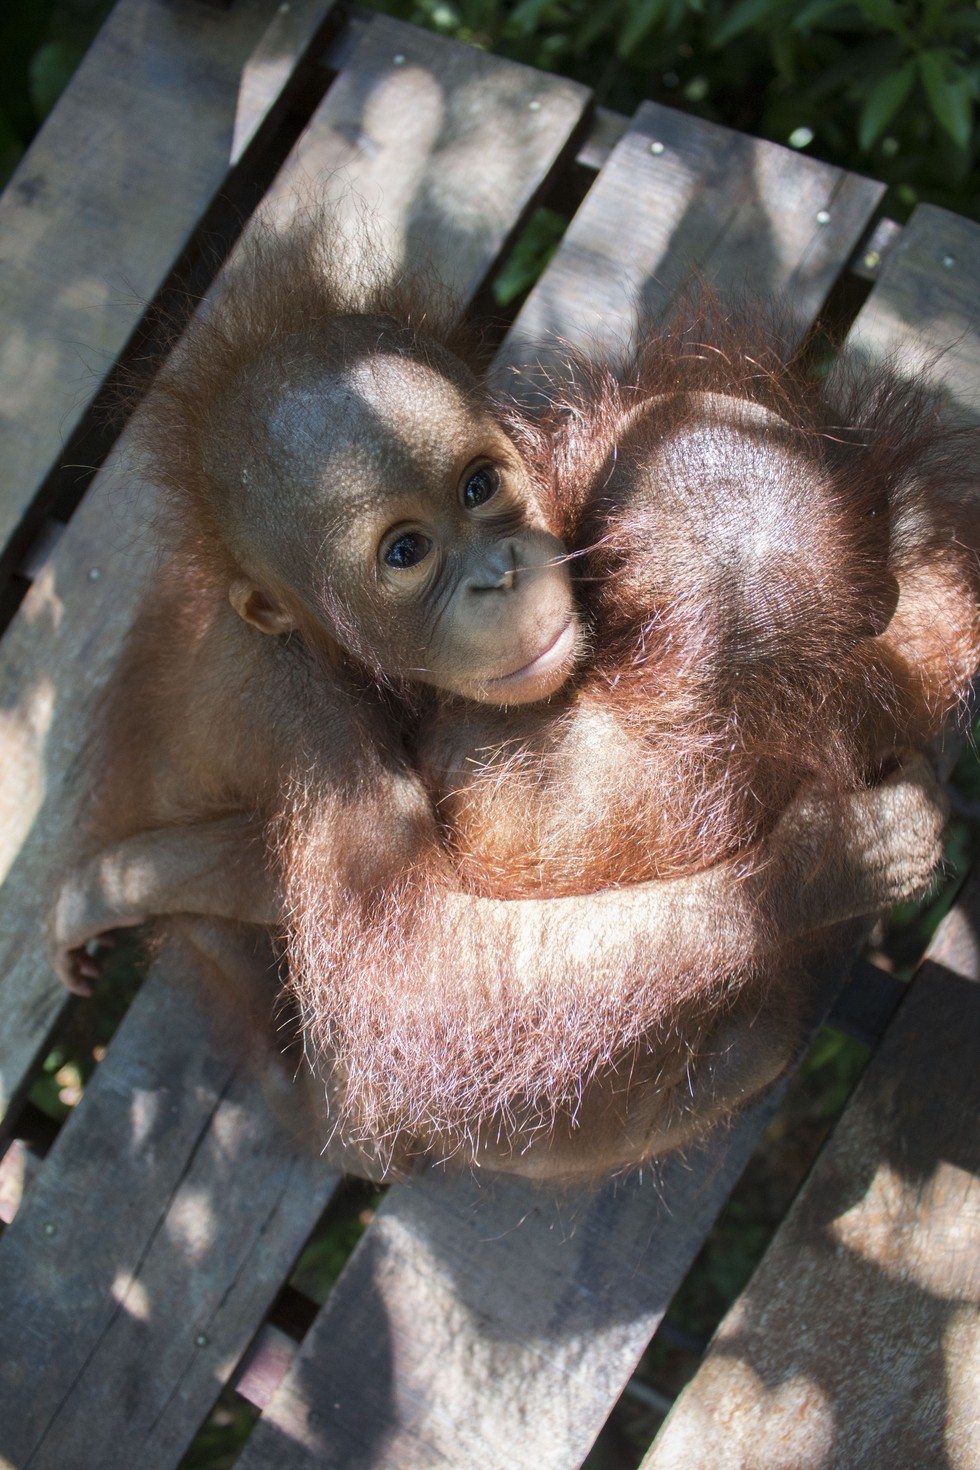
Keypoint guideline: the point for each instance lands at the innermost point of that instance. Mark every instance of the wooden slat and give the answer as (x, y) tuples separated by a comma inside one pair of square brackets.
[(490, 1326), (681, 196), (165, 100), (444, 149), (857, 1342), (268, 1361), (495, 1326), (605, 131), (155, 1236), (54, 659), (63, 644), (924, 307)]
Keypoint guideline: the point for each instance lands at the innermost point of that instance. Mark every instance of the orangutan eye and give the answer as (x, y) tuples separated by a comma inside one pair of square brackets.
[(407, 551), (481, 486)]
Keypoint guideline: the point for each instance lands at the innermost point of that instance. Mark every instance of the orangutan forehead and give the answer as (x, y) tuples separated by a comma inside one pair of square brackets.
[(388, 406)]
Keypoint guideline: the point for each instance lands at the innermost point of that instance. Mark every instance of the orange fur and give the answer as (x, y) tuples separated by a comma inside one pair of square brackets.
[(724, 677), (398, 817), (781, 577)]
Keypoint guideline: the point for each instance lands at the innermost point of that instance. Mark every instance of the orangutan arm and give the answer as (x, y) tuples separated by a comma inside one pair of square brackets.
[(825, 865), (480, 1028), (217, 869)]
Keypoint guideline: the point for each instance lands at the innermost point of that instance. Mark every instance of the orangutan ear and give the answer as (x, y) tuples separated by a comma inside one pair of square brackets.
[(259, 608)]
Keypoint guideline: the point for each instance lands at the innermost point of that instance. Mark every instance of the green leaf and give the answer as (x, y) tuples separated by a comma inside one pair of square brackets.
[(531, 252), (742, 17), (785, 49), (884, 13), (642, 16), (935, 15), (526, 17), (962, 20), (951, 99), (595, 25), (814, 12), (51, 67), (882, 103)]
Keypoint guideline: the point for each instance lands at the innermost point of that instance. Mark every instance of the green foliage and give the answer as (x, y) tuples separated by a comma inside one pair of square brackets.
[(222, 1439), (41, 43), (532, 250), (327, 1251), (50, 71), (887, 87), (829, 1073)]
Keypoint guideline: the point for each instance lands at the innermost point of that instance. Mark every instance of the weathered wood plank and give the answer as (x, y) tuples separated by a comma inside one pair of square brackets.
[(492, 1325), (265, 1365), (162, 105), (154, 1238), (924, 306), (62, 646), (681, 197), (857, 1342), (443, 146), (54, 660)]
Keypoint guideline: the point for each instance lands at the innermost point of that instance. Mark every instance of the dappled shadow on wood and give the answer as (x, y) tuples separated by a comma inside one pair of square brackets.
[(683, 200), (171, 1183), (878, 1258)]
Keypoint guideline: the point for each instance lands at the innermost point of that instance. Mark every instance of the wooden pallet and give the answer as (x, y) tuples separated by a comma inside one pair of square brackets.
[(475, 1325)]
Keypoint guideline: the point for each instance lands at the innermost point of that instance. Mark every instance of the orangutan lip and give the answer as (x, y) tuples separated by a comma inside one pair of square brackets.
[(551, 658)]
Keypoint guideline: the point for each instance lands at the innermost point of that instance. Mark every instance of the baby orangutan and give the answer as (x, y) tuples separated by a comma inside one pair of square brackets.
[(781, 581), (361, 564)]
